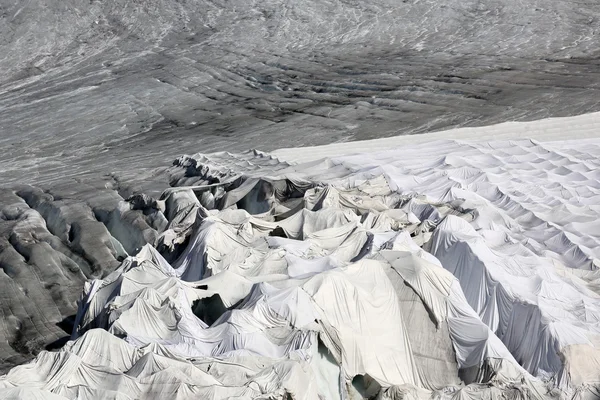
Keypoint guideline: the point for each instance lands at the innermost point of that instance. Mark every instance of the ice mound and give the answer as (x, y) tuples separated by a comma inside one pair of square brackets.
[(440, 270)]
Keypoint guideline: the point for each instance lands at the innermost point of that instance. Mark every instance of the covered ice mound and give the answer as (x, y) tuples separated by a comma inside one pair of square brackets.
[(425, 272)]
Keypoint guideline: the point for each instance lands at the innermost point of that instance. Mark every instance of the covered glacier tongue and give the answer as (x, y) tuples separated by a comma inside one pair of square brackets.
[(462, 268), (446, 270)]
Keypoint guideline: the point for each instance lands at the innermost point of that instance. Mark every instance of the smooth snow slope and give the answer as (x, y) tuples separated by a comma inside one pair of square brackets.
[(446, 269)]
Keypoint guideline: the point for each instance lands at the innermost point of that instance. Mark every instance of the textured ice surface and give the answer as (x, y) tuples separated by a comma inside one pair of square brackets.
[(99, 87)]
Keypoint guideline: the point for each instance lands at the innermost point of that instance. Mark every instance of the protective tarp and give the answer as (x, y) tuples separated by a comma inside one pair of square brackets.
[(406, 274), (561, 312)]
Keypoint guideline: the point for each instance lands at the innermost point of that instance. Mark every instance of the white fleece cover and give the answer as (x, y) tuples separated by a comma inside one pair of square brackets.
[(447, 270)]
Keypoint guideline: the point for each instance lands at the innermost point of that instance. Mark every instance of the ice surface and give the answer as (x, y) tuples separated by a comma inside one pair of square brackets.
[(121, 87)]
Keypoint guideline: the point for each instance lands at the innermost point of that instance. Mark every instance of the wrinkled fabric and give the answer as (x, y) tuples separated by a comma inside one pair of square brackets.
[(391, 276)]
